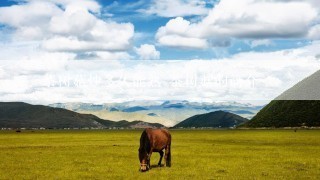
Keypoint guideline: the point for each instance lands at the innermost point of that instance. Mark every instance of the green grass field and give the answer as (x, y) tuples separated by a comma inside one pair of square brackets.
[(201, 154)]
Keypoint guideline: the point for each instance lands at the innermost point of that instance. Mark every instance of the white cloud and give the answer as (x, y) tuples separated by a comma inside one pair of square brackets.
[(174, 8), (104, 55), (28, 14), (252, 19), (91, 5), (31, 51), (74, 43), (29, 33), (244, 19), (66, 26), (198, 80), (182, 42), (147, 52), (177, 33), (314, 32), (260, 42), (74, 20)]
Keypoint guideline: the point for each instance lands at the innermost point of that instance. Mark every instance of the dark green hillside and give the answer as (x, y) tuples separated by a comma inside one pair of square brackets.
[(23, 115), (287, 113), (213, 119)]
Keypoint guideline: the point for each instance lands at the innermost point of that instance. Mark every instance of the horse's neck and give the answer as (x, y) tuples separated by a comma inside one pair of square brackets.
[(146, 143)]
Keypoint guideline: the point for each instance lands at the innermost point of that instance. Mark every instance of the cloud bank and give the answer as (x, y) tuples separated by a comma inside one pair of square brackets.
[(67, 27), (245, 19), (243, 77)]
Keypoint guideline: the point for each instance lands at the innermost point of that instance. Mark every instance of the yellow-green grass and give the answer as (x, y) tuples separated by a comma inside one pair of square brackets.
[(196, 154)]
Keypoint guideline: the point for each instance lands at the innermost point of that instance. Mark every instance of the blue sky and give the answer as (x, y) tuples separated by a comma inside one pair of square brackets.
[(276, 42), (149, 25)]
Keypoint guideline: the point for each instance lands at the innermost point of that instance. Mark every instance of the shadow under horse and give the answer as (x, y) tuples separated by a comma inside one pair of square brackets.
[(154, 140)]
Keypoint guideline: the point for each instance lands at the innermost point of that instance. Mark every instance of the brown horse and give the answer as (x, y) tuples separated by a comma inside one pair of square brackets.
[(154, 140)]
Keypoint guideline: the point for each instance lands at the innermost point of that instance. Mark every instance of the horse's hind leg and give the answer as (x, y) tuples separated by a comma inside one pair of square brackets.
[(161, 155)]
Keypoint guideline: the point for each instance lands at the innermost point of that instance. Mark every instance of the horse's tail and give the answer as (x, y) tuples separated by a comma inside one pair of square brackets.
[(169, 157), (168, 163)]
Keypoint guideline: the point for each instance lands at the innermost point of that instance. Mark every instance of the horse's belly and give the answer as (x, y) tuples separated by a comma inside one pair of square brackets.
[(158, 150), (159, 147)]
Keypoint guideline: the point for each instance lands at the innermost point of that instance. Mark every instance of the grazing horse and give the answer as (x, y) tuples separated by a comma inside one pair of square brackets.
[(154, 140)]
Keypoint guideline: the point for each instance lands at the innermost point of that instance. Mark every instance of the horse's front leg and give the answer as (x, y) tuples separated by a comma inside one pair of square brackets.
[(149, 157), (161, 155)]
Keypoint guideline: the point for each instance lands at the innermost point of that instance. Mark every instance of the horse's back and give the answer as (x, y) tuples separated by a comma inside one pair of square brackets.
[(158, 132), (159, 138)]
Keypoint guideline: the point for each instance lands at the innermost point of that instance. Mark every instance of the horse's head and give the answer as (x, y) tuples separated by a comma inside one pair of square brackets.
[(144, 160)]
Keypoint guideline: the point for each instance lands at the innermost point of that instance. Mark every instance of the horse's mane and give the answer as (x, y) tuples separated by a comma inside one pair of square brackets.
[(144, 141)]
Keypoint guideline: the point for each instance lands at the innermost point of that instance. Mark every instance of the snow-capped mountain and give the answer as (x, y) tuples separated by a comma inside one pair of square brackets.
[(168, 113)]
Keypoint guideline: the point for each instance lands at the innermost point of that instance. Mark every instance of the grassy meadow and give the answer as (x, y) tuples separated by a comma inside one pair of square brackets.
[(201, 154)]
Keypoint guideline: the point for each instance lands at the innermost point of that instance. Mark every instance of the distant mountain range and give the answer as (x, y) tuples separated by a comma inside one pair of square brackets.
[(216, 119), (168, 113), (127, 124), (134, 109), (23, 115)]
